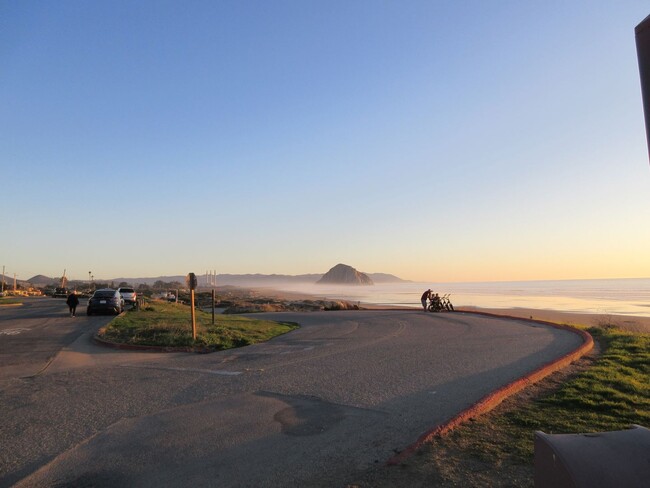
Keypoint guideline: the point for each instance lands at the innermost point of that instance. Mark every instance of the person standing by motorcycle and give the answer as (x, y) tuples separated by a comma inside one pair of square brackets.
[(425, 296)]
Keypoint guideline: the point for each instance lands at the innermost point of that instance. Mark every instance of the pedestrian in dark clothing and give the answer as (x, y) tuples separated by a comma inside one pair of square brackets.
[(72, 302)]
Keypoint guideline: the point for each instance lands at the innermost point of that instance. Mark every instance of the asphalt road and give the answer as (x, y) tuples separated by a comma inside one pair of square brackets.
[(31, 335), (317, 407)]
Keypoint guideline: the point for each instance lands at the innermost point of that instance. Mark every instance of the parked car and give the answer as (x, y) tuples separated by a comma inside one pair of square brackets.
[(105, 300), (61, 293), (128, 295)]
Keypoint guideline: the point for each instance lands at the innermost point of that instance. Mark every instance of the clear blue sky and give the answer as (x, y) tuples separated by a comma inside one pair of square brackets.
[(436, 140)]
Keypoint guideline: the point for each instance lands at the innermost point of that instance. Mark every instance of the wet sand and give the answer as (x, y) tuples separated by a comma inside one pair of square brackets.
[(627, 322)]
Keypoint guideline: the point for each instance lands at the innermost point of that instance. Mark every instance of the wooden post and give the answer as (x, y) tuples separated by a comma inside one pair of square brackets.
[(193, 315), (213, 300), (191, 283)]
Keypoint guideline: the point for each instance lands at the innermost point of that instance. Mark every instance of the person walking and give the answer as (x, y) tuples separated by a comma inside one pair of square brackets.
[(72, 302), (425, 296)]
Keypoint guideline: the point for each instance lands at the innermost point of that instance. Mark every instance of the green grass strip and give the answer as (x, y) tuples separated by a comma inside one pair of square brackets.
[(611, 395), (169, 325)]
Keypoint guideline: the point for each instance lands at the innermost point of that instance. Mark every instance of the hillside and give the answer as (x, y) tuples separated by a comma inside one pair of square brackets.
[(342, 274), (42, 280), (384, 278), (242, 280), (229, 279)]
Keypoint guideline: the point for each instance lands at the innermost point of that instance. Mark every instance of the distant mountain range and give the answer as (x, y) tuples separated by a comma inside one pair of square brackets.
[(222, 279), (42, 280)]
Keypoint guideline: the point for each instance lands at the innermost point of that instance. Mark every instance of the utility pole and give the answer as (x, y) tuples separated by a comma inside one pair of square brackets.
[(3, 278), (192, 283), (14, 282), (213, 304), (211, 277)]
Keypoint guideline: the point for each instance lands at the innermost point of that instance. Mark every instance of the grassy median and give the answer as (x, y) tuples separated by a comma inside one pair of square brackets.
[(169, 325), (611, 394), (10, 302)]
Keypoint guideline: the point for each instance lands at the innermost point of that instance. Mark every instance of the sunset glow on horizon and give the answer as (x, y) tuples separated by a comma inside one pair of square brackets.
[(437, 141)]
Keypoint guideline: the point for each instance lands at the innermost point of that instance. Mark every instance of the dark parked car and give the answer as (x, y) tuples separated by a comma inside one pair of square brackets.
[(61, 293), (105, 300)]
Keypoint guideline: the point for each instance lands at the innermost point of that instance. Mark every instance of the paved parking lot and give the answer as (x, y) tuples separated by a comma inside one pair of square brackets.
[(315, 407)]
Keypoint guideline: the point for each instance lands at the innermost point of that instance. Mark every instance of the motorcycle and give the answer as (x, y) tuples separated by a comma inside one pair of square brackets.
[(441, 304)]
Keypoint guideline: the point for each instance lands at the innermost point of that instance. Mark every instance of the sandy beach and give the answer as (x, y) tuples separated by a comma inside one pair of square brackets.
[(627, 322)]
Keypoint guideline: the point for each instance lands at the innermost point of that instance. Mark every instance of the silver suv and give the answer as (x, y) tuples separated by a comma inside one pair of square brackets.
[(128, 295)]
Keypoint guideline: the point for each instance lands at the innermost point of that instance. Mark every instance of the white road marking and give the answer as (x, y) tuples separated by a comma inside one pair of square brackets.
[(13, 331), (185, 370)]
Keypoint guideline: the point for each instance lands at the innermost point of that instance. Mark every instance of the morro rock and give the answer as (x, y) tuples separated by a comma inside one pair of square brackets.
[(342, 274)]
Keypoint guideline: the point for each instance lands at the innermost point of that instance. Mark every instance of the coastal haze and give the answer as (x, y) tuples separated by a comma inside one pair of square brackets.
[(617, 297), (602, 297)]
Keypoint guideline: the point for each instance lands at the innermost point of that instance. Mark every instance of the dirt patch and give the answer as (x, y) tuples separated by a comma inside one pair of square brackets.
[(266, 304), (235, 300)]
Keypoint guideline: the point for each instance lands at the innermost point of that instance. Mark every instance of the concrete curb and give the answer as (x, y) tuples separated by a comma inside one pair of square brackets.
[(135, 347), (493, 399)]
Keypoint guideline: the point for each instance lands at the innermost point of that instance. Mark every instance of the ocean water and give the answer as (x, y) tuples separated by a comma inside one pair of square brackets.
[(611, 296)]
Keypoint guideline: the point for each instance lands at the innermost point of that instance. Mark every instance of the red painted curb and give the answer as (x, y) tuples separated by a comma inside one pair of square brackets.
[(490, 401)]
